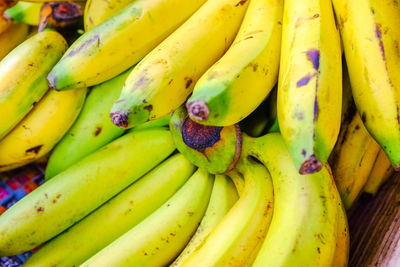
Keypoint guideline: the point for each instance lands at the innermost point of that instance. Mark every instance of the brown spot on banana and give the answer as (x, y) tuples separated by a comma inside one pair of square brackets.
[(311, 165), (198, 110)]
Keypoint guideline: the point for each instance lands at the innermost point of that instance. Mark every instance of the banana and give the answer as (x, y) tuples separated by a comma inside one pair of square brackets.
[(23, 76), (24, 12), (92, 130), (237, 238), (234, 86), (341, 257), (223, 196), (310, 83), (381, 171), (303, 229), (120, 42), (158, 239), (163, 80), (354, 161), (12, 37), (41, 129), (115, 217), (371, 37), (97, 11), (74, 193)]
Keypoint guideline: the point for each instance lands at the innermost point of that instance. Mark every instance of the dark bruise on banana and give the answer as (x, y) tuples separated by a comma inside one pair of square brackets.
[(217, 149)]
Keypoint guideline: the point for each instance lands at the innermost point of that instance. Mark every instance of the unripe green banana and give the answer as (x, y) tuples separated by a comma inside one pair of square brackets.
[(234, 86), (119, 42), (237, 238), (158, 239), (223, 197), (23, 76), (310, 82), (24, 12), (92, 129), (74, 193), (164, 79), (115, 217)]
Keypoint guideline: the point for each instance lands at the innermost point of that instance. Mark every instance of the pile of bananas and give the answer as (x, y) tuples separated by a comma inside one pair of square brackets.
[(196, 132)]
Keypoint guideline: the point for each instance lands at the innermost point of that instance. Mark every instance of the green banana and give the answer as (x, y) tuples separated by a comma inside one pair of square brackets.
[(83, 187), (92, 129), (303, 229), (223, 196), (216, 149), (234, 86), (237, 238), (115, 217), (310, 82), (101, 53), (23, 76), (164, 79), (24, 12), (158, 239)]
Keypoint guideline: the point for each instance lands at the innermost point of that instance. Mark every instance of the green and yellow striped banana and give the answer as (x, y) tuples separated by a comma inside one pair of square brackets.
[(163, 80), (115, 217), (119, 42), (41, 129), (74, 193), (158, 239), (310, 83), (234, 86), (23, 76), (371, 35)]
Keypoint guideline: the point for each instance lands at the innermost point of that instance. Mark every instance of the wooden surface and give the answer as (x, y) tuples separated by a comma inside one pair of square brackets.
[(375, 228)]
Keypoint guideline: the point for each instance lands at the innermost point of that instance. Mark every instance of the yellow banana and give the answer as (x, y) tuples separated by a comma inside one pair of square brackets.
[(223, 196), (303, 229), (341, 257), (41, 129), (158, 239), (354, 160), (381, 171), (12, 37), (237, 238), (23, 76), (310, 82), (24, 12), (120, 42), (163, 80), (4, 24), (234, 86), (74, 193), (115, 217), (371, 35), (97, 11)]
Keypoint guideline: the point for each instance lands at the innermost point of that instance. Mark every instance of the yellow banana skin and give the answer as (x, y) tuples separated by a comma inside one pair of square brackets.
[(41, 129), (24, 12), (381, 171), (371, 37), (158, 239), (223, 197), (115, 217), (12, 37), (237, 238), (236, 85), (101, 53), (354, 160), (23, 76), (97, 11), (163, 80), (74, 193), (310, 83), (303, 229)]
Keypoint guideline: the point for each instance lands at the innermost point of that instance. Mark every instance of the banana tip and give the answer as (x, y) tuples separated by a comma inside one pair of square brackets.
[(198, 110), (311, 165), (397, 168), (120, 120)]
